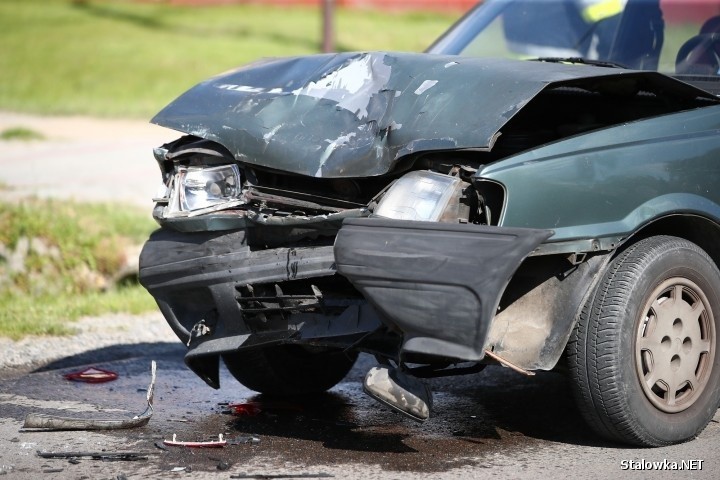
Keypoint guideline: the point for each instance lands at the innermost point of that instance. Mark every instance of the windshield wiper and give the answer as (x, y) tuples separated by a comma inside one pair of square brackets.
[(580, 60)]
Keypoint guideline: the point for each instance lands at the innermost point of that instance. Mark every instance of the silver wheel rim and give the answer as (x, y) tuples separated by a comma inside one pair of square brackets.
[(675, 345)]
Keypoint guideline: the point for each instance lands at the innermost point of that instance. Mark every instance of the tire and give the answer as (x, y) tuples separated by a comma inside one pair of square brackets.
[(643, 355), (287, 370)]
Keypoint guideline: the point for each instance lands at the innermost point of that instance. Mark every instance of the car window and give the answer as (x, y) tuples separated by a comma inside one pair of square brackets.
[(516, 32), (672, 36)]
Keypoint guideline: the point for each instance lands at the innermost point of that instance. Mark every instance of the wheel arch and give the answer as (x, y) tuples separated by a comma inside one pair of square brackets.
[(533, 326), (702, 231)]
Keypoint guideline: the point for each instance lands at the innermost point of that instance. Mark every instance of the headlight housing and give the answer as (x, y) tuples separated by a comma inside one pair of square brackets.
[(423, 195), (197, 190)]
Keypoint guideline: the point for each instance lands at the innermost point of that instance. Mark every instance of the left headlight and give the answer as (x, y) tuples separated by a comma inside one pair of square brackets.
[(197, 190), (424, 195)]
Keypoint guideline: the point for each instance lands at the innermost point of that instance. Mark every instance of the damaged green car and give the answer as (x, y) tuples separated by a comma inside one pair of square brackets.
[(526, 192)]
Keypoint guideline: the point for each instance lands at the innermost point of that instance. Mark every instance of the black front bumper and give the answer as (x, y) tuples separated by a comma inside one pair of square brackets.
[(203, 283), (439, 284)]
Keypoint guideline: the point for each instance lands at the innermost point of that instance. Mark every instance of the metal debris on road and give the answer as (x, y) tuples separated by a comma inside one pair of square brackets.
[(52, 422), (104, 456), (220, 442), (510, 365), (92, 375)]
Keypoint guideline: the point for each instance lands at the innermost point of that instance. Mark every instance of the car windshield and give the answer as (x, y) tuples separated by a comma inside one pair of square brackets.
[(678, 37)]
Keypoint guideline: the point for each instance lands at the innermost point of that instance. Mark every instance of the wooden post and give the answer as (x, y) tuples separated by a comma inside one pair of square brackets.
[(328, 26)]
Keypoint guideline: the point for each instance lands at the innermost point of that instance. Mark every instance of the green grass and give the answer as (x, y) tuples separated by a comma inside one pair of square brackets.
[(23, 315), (120, 58), (69, 254), (20, 133)]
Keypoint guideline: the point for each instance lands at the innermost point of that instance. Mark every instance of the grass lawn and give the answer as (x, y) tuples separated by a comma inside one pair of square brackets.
[(57, 261), (121, 58)]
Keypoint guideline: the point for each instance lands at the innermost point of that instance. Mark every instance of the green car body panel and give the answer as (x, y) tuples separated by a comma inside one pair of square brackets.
[(609, 183)]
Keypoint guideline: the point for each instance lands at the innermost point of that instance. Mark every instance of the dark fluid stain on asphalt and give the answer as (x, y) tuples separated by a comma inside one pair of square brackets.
[(483, 420), (477, 420)]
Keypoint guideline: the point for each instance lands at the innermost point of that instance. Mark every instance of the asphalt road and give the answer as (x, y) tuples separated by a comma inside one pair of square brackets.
[(496, 424)]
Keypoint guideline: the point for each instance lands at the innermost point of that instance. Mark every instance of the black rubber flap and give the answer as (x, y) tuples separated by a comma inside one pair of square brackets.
[(439, 283)]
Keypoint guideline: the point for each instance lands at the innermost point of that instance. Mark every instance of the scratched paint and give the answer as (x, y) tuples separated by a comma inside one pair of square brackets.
[(357, 114), (352, 85), (426, 85)]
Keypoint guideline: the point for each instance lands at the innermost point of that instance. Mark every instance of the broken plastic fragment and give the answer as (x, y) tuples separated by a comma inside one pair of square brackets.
[(51, 422), (254, 408), (220, 442), (92, 375), (249, 408)]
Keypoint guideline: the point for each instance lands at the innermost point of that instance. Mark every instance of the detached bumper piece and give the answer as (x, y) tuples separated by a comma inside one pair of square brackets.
[(439, 284)]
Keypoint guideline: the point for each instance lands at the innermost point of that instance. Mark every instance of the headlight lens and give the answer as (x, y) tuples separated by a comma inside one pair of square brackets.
[(199, 189), (419, 195), (204, 187)]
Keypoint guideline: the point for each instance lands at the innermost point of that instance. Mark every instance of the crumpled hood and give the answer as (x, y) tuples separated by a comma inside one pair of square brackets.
[(356, 114)]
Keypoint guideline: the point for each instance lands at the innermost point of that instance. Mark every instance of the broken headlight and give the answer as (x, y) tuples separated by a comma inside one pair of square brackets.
[(422, 195), (197, 190)]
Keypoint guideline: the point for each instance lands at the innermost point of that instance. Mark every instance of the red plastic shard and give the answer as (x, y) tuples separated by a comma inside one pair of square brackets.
[(92, 375), (249, 408), (254, 408)]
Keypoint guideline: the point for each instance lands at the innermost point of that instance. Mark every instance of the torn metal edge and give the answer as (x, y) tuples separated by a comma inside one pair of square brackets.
[(52, 422)]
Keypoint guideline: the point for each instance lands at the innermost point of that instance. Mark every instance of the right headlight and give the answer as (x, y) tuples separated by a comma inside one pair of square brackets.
[(197, 190), (420, 195)]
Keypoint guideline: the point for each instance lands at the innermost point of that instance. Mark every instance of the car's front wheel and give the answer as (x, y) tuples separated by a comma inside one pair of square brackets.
[(643, 355), (289, 369)]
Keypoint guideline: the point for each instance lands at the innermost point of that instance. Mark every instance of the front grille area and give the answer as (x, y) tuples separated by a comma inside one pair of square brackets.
[(299, 296)]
